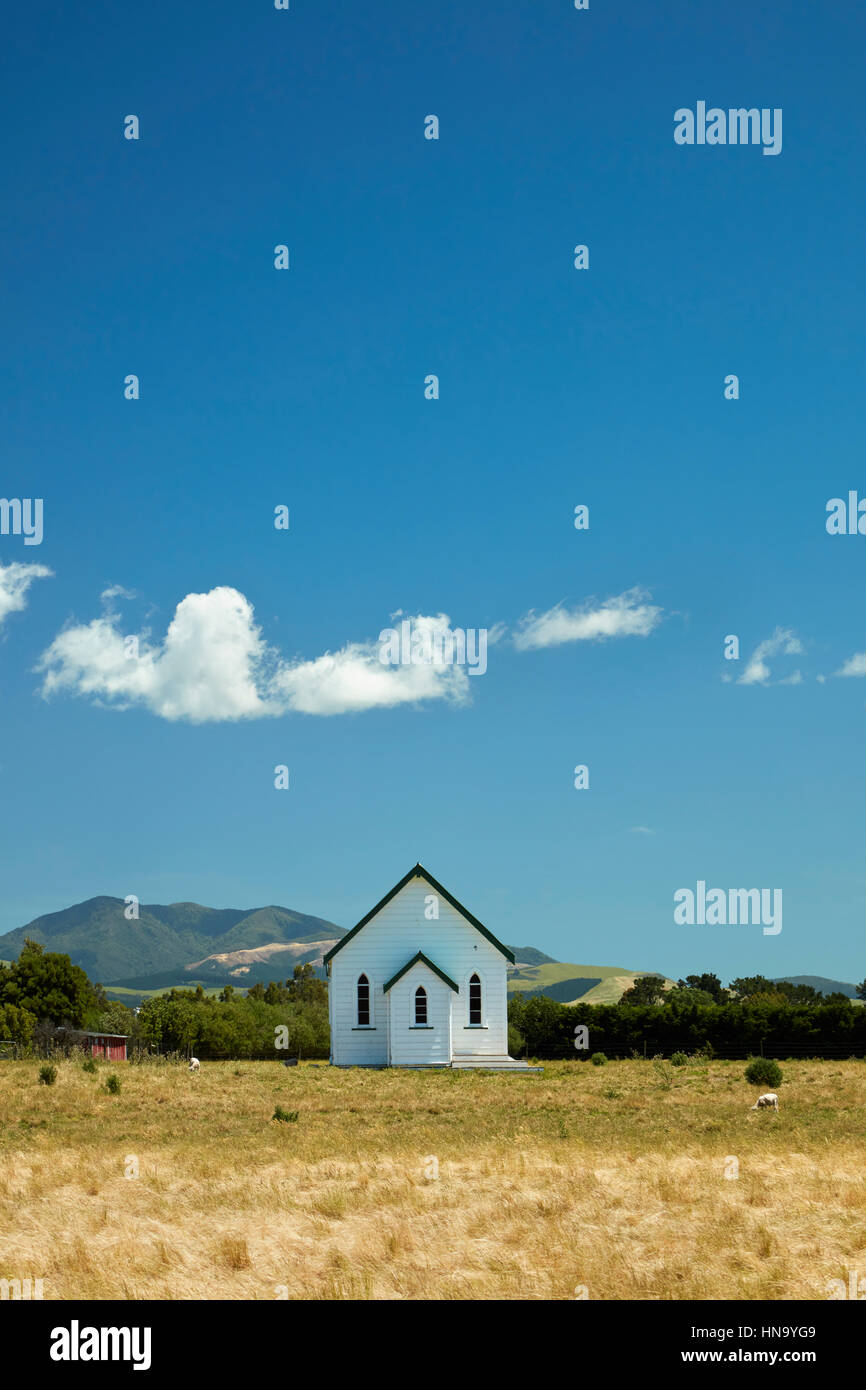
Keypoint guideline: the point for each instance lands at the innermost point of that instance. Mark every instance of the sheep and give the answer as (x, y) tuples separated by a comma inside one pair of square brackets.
[(770, 1098), (194, 1064)]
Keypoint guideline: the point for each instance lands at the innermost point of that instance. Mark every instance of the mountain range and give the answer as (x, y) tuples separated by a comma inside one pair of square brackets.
[(187, 944), (179, 943)]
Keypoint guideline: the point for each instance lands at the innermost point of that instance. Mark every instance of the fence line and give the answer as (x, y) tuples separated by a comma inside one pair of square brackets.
[(779, 1051)]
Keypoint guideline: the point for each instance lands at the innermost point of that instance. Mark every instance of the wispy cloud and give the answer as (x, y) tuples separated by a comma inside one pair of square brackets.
[(15, 581), (784, 642), (641, 830), (626, 615), (115, 591), (854, 666), (214, 664)]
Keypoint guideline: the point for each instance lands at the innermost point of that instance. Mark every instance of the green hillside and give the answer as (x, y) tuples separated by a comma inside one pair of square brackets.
[(821, 983), (157, 949), (132, 997), (593, 984), (530, 955)]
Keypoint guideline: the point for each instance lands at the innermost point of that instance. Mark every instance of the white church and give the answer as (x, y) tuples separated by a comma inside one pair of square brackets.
[(419, 982)]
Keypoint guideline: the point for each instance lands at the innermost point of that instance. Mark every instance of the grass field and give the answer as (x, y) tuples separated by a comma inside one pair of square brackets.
[(606, 1179)]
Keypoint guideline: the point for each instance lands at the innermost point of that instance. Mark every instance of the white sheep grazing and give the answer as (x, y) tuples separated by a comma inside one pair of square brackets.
[(194, 1064), (769, 1099)]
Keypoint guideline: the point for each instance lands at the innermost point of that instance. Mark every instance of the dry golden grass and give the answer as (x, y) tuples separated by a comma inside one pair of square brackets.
[(581, 1178)]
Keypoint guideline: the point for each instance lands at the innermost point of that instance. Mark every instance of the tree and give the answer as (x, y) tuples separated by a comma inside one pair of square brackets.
[(647, 989), (117, 1018), (799, 994), (305, 987), (861, 990), (710, 984), (748, 985), (48, 985), (683, 1000), (16, 1024), (169, 1022)]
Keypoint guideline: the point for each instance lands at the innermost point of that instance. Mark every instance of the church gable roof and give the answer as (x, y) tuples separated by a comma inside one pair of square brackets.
[(420, 872), (421, 959)]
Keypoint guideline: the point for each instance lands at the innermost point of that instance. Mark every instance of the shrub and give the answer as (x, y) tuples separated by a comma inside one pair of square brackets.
[(664, 1072), (89, 1065), (598, 1059), (142, 1058), (47, 1074), (763, 1071), (284, 1116), (679, 1059), (112, 1084)]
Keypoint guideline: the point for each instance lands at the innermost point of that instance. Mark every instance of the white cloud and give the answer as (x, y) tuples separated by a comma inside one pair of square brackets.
[(626, 615), (15, 580), (854, 666), (354, 678), (214, 664), (641, 830), (115, 591), (784, 642)]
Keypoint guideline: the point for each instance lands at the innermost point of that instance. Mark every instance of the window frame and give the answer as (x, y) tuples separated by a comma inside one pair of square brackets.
[(479, 1021), (364, 976), (416, 1021), (466, 992)]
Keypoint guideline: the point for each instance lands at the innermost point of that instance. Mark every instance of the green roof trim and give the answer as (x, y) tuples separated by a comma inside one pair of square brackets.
[(424, 960), (419, 872)]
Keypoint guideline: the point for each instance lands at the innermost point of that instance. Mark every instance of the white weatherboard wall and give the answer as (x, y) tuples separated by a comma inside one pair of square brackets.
[(387, 943), (411, 1045)]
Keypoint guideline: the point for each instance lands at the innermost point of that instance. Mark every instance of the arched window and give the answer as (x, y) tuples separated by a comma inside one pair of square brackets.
[(420, 1006), (363, 1002), (474, 1000)]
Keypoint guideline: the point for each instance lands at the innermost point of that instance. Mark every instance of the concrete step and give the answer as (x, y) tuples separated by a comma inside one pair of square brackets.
[(491, 1064)]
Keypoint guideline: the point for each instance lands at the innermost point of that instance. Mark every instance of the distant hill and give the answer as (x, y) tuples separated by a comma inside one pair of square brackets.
[(179, 942), (571, 984), (819, 982), (529, 955), (186, 944), (600, 984)]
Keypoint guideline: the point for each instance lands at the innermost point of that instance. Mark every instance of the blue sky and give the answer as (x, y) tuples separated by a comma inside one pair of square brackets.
[(557, 387)]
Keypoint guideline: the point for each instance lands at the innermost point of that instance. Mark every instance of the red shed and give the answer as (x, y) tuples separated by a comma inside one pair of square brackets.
[(111, 1046)]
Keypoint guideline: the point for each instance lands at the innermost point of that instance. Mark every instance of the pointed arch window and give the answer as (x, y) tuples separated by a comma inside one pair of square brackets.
[(363, 1002), (420, 1007), (475, 1001)]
